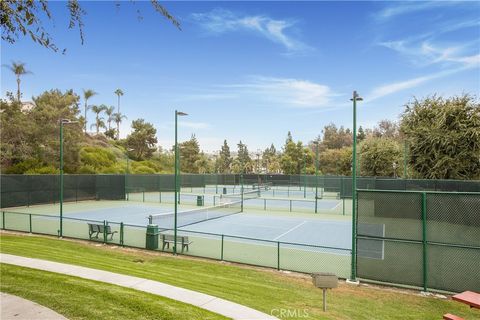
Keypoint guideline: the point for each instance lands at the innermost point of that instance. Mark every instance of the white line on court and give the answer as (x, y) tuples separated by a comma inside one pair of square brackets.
[(339, 203), (288, 231)]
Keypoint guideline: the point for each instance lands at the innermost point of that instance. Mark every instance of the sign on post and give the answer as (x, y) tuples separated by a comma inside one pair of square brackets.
[(324, 281)]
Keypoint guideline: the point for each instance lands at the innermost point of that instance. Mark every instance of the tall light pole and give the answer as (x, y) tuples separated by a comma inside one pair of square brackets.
[(316, 174), (304, 173), (177, 113), (62, 123), (355, 98)]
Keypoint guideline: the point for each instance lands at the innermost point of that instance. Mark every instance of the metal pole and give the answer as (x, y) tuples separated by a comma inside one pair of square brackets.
[(424, 238), (304, 174), (61, 178), (176, 188), (316, 177), (354, 187)]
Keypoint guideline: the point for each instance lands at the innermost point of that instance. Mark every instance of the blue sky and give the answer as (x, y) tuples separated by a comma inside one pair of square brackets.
[(252, 71)]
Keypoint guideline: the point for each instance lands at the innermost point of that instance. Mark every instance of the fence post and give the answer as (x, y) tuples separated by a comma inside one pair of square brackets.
[(121, 234), (278, 255), (424, 239), (221, 256), (105, 231), (30, 222)]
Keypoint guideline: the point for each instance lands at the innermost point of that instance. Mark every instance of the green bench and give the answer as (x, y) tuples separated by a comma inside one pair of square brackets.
[(170, 238), (94, 230)]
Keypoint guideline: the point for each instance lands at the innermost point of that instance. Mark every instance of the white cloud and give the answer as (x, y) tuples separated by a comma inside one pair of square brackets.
[(287, 92), (220, 21), (392, 88), (401, 8)]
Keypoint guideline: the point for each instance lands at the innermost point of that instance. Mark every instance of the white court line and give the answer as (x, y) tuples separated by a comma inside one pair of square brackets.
[(297, 226), (339, 203)]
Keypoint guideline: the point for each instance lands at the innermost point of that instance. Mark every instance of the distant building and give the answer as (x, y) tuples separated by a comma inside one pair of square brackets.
[(27, 106)]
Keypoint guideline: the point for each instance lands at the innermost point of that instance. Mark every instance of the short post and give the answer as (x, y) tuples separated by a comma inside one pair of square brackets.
[(121, 234), (221, 256), (324, 281), (278, 255), (30, 222)]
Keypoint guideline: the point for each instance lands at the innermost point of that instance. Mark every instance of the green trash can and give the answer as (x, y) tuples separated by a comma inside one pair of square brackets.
[(224, 190), (152, 237), (199, 201)]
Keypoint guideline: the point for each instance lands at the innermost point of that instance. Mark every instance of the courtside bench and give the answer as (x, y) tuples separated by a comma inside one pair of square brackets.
[(95, 230), (170, 238)]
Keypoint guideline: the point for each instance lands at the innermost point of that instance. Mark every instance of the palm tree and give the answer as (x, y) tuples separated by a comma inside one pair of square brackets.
[(119, 93), (99, 123), (109, 111), (118, 117), (87, 94), (19, 69)]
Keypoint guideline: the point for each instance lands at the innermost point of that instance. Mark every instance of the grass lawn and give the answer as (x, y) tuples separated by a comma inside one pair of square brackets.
[(264, 290), (76, 298)]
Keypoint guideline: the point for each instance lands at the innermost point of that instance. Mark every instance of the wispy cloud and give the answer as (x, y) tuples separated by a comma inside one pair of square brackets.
[(287, 92), (219, 21), (391, 88), (402, 8)]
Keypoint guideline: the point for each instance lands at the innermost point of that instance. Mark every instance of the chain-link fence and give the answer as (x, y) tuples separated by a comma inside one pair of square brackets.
[(423, 239), (259, 252), (26, 190)]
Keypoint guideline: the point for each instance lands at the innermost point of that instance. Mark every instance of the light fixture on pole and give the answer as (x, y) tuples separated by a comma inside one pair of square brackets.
[(355, 98), (177, 114), (62, 123)]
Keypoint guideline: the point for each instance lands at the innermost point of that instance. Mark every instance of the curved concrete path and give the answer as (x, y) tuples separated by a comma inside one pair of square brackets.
[(201, 300), (16, 308)]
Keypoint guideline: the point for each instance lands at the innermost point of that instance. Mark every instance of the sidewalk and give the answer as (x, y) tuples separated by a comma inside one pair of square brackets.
[(201, 300), (16, 308)]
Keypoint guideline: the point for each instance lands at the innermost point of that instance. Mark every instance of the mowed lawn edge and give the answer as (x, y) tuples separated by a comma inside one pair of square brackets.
[(269, 291), (77, 298)]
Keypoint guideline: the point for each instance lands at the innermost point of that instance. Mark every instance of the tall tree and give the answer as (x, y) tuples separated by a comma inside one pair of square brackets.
[(142, 141), (18, 68), (99, 122), (118, 118), (87, 94), (24, 18), (225, 159), (189, 155), (381, 157), (243, 158), (119, 93), (443, 137), (361, 134), (336, 138), (109, 111)]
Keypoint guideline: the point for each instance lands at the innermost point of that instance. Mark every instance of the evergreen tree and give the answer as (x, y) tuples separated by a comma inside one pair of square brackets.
[(189, 155), (225, 159)]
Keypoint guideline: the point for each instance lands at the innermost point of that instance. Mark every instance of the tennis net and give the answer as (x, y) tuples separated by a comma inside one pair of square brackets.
[(237, 197), (188, 217)]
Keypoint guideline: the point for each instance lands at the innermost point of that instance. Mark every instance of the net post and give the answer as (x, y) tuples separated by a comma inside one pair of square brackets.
[(290, 205), (121, 234), (30, 222), (424, 239), (143, 194), (343, 206), (264, 204), (278, 255), (221, 256)]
